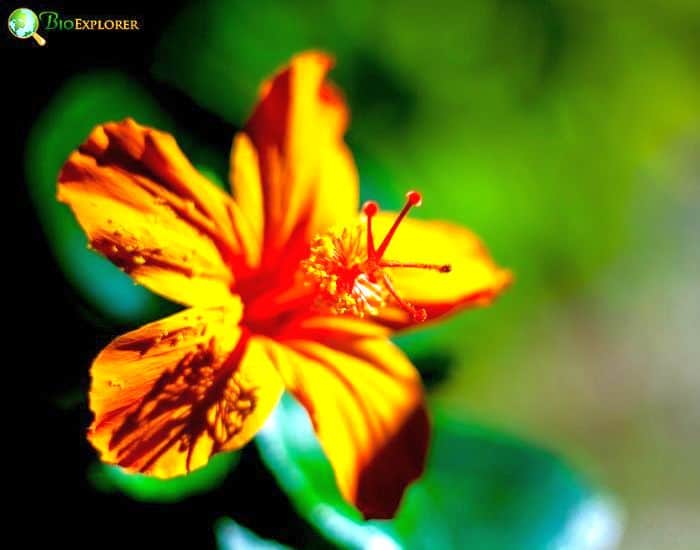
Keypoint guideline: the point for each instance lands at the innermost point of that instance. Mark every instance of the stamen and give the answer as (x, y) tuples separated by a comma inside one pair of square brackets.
[(413, 198), (349, 271), (444, 268)]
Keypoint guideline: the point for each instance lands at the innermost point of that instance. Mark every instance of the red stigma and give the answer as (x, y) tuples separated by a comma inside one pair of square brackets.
[(414, 198), (370, 208)]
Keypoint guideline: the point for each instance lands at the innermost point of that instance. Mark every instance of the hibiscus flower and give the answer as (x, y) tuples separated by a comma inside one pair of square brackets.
[(285, 285)]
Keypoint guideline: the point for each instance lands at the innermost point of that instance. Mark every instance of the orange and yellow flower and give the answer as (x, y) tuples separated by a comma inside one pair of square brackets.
[(285, 285)]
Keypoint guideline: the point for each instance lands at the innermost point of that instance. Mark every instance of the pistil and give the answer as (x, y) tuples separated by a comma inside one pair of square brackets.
[(352, 280)]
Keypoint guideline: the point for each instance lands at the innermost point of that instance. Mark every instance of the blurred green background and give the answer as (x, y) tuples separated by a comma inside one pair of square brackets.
[(565, 134)]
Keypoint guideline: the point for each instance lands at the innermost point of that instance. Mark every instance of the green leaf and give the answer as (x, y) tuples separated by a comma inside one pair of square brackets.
[(232, 536), (481, 490), (111, 479)]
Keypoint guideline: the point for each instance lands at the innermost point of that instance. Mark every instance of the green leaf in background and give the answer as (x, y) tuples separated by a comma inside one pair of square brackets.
[(232, 536), (111, 479), (481, 490)]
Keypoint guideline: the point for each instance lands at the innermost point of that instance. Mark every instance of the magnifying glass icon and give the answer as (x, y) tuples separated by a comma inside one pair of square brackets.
[(24, 23)]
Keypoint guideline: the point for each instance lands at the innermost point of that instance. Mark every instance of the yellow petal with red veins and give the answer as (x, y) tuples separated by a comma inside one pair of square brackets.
[(365, 402), (291, 172), (145, 207), (473, 280), (169, 395)]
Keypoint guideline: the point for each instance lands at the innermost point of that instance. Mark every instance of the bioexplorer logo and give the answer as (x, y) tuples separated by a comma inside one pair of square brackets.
[(24, 23)]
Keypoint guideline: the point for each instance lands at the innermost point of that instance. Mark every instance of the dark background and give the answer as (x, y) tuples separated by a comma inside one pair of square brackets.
[(51, 341)]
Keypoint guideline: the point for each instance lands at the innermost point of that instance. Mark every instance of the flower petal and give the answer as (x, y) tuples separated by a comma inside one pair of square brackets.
[(291, 171), (474, 279), (168, 396), (145, 207), (365, 402)]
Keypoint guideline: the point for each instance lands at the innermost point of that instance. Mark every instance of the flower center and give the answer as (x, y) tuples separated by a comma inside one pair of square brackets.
[(350, 272)]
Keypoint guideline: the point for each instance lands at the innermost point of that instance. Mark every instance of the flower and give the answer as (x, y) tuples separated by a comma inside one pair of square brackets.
[(285, 286)]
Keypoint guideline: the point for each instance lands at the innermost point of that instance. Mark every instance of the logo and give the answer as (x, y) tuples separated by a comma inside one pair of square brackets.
[(24, 23)]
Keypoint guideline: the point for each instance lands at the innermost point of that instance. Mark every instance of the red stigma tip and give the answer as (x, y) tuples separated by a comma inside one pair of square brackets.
[(419, 315), (414, 198), (370, 208)]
